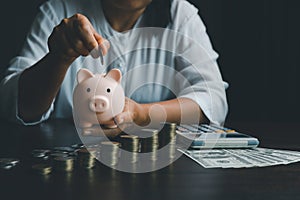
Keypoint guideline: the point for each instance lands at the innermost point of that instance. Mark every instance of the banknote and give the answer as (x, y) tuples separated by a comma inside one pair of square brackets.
[(242, 158)]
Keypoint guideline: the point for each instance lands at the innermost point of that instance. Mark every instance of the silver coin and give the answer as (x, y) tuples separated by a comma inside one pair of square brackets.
[(67, 149), (6, 166), (12, 161), (44, 151), (77, 146), (59, 154)]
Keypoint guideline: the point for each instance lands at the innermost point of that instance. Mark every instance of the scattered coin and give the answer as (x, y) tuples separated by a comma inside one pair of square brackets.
[(77, 146), (8, 163), (64, 149)]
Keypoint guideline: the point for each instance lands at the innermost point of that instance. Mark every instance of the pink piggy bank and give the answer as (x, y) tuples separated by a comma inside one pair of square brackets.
[(98, 98)]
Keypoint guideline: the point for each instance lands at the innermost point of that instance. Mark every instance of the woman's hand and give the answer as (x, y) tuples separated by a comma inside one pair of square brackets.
[(75, 36), (133, 114), (180, 110)]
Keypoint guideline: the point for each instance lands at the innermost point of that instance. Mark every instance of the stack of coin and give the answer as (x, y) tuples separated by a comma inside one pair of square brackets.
[(131, 145), (65, 164), (167, 139), (167, 134), (109, 153), (150, 144), (8, 163), (172, 148), (42, 169), (86, 158)]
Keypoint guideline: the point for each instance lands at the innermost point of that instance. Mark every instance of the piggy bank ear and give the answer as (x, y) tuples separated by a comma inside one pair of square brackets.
[(115, 74), (83, 74)]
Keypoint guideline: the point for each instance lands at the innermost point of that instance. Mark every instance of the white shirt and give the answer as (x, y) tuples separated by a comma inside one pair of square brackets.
[(156, 65)]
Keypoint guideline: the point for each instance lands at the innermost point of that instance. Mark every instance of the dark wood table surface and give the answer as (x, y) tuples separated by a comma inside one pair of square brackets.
[(183, 179)]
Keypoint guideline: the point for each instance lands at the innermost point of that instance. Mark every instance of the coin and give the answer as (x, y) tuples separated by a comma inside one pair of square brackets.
[(43, 169), (167, 133), (64, 149), (64, 164), (8, 163), (77, 146), (130, 143), (40, 154), (150, 143), (59, 154), (12, 161), (109, 153), (6, 166), (86, 159)]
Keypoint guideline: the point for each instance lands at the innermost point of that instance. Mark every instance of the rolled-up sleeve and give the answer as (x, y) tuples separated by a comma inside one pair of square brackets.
[(9, 101), (199, 76), (34, 48)]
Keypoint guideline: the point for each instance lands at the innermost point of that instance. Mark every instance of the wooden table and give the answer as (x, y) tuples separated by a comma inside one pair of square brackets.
[(183, 179)]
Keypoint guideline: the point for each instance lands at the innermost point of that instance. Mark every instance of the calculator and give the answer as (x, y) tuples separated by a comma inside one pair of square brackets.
[(213, 136)]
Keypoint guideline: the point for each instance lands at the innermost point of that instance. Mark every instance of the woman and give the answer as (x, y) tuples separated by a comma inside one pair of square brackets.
[(39, 81)]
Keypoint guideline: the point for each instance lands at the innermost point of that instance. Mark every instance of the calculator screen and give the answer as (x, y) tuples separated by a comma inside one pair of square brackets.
[(236, 135)]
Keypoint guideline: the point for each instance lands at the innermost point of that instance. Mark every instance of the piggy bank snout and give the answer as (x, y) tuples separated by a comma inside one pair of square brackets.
[(99, 103)]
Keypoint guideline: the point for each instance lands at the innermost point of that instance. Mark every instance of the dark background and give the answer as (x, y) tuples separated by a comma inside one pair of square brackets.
[(258, 42)]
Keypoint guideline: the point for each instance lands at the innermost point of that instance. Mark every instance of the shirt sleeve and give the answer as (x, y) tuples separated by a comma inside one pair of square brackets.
[(34, 48), (199, 75)]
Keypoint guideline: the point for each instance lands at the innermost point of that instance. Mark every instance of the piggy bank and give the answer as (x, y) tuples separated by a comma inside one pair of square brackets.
[(98, 98)]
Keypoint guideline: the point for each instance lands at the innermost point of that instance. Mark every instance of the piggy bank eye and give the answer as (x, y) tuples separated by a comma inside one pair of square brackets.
[(108, 90), (88, 89)]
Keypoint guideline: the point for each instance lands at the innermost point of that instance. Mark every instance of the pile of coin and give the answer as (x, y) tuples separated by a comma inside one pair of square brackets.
[(62, 158), (109, 153), (125, 149)]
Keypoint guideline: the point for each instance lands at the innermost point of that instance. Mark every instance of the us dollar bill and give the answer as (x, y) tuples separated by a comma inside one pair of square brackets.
[(242, 158)]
